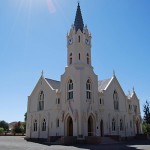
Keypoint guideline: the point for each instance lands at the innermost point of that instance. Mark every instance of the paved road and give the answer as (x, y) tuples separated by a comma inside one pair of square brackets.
[(18, 143)]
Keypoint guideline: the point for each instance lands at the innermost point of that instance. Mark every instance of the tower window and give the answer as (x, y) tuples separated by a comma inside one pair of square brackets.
[(70, 59), (70, 89), (58, 101), (88, 59), (79, 56), (88, 89), (79, 38), (57, 123)]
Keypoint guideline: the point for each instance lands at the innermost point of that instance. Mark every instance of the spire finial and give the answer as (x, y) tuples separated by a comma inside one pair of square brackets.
[(113, 72), (133, 89), (129, 93), (42, 73)]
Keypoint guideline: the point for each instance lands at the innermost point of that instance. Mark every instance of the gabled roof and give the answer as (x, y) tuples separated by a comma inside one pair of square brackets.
[(102, 84), (53, 83)]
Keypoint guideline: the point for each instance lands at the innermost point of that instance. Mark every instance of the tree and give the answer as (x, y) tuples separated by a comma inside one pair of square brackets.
[(4, 125), (25, 117), (18, 128), (146, 112), (1, 130)]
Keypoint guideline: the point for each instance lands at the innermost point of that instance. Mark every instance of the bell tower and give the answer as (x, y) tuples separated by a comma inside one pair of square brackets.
[(79, 42)]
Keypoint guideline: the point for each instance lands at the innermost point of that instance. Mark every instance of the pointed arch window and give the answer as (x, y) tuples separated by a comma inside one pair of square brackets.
[(88, 89), (79, 38), (35, 125), (44, 125), (41, 100), (121, 125), (88, 58), (116, 102), (70, 58), (70, 89), (57, 123), (113, 125), (79, 56)]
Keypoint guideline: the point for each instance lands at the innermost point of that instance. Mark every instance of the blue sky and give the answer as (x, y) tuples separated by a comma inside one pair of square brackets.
[(33, 38)]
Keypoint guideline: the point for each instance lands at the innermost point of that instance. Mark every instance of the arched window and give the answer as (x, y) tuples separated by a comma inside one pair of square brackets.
[(88, 59), (113, 124), (121, 125), (79, 56), (41, 100), (130, 123), (35, 125), (57, 123), (70, 89), (79, 38), (70, 58), (88, 89), (100, 101), (44, 125), (116, 102)]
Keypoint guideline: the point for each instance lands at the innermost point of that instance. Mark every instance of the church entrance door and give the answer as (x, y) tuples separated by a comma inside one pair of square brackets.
[(90, 126), (101, 128), (69, 126)]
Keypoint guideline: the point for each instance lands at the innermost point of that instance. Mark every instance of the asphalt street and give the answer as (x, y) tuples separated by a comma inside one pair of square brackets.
[(18, 143)]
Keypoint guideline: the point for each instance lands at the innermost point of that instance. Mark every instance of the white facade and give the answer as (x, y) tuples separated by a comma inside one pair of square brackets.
[(80, 105)]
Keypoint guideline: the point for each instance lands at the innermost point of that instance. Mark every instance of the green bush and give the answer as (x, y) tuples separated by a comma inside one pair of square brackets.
[(146, 128), (1, 130)]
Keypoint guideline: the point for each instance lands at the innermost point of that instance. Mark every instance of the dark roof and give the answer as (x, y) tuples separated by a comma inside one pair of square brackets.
[(78, 23), (53, 83), (102, 84)]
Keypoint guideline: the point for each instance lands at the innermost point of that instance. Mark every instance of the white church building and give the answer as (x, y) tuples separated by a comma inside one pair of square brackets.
[(79, 105)]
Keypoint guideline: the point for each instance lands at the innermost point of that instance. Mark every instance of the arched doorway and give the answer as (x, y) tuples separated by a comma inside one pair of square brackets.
[(101, 128), (69, 126), (90, 126)]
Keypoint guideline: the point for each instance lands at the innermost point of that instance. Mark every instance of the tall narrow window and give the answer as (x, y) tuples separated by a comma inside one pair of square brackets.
[(113, 124), (88, 89), (79, 56), (116, 102), (121, 125), (57, 123), (79, 38), (88, 59), (70, 89), (70, 58), (44, 125), (35, 125), (41, 100)]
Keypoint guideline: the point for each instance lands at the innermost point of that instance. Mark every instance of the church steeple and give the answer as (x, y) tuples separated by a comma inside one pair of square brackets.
[(78, 23)]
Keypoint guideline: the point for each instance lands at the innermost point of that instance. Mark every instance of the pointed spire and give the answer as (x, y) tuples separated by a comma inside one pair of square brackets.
[(78, 23), (42, 73), (113, 73), (133, 90)]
